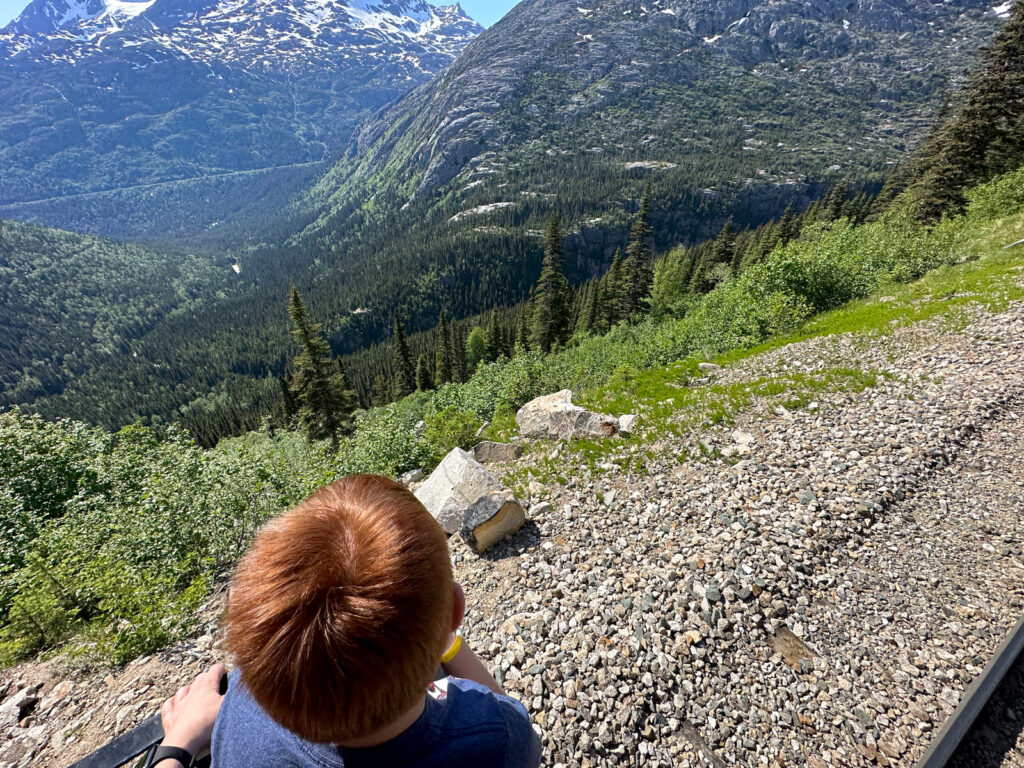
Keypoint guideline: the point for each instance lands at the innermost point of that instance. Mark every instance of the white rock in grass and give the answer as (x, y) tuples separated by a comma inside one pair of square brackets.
[(627, 423), (555, 417)]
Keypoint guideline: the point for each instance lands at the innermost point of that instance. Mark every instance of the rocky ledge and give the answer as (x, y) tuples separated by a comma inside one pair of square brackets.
[(821, 594)]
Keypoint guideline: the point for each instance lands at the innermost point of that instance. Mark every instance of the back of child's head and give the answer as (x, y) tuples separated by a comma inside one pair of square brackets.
[(339, 613)]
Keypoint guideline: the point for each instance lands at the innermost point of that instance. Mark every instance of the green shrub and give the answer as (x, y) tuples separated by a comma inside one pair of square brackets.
[(449, 429), (386, 443), (1003, 196)]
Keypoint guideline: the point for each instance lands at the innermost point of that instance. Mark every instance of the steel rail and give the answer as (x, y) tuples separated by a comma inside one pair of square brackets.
[(140, 742), (958, 724)]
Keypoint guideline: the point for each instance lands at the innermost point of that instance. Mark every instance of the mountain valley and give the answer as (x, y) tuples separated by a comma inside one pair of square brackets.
[(163, 118)]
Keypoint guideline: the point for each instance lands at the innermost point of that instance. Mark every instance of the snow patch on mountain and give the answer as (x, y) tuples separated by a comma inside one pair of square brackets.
[(1003, 11)]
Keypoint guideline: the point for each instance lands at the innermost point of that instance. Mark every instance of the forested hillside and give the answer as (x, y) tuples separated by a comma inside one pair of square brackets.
[(71, 302)]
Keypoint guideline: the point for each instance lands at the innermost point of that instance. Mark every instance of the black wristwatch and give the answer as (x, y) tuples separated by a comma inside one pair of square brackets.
[(172, 753)]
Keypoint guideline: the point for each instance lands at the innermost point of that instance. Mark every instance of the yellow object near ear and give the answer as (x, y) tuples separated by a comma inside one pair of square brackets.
[(452, 652)]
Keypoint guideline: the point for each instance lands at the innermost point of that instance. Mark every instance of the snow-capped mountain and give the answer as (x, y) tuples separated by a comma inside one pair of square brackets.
[(269, 33), (275, 34), (119, 116)]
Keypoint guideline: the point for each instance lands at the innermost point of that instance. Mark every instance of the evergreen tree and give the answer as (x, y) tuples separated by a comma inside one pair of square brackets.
[(614, 292), (494, 340), (835, 200), (289, 406), (639, 267), (589, 308), (405, 373), (476, 349), (985, 135), (442, 353), (724, 250), (599, 322), (424, 375), (457, 340), (381, 392), (522, 338), (857, 210), (551, 296), (789, 226), (701, 267), (325, 401)]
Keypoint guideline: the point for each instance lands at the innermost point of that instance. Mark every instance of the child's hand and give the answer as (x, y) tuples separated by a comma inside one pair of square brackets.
[(189, 715)]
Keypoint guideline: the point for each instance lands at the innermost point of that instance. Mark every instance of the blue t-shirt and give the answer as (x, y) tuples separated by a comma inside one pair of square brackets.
[(471, 723)]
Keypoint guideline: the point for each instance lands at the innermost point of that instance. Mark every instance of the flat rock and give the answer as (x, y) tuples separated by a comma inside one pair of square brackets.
[(555, 417), (497, 453), (790, 647)]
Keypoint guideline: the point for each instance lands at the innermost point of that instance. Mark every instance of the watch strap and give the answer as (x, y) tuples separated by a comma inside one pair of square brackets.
[(172, 753)]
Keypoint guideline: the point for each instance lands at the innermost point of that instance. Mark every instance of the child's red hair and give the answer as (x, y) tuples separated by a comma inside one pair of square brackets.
[(340, 611)]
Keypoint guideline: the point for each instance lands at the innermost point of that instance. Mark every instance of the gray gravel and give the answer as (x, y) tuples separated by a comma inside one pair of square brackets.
[(883, 528)]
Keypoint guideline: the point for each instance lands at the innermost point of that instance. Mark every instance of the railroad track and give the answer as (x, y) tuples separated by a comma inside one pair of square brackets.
[(987, 728)]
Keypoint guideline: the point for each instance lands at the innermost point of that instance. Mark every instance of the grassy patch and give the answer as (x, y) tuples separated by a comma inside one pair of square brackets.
[(990, 279)]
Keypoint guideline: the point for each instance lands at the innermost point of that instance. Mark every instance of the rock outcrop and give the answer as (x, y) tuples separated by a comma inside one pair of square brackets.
[(465, 498), (555, 417), (497, 453)]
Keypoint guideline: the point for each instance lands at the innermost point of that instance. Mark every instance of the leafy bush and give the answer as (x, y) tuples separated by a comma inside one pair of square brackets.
[(451, 428), (1003, 196)]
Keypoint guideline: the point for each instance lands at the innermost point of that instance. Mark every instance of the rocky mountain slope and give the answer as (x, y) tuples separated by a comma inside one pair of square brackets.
[(560, 74), (818, 588), (726, 108), (112, 111)]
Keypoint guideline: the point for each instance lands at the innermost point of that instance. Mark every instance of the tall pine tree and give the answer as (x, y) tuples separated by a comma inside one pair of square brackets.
[(551, 298), (405, 373), (325, 400), (494, 341), (457, 352), (424, 375), (639, 260), (442, 353)]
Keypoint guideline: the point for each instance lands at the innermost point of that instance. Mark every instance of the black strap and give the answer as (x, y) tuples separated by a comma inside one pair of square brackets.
[(172, 753)]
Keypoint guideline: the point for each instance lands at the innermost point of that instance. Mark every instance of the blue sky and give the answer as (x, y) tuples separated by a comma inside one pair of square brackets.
[(9, 9), (485, 11)]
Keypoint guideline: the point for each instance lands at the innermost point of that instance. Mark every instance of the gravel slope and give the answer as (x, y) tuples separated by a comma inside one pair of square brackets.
[(822, 597)]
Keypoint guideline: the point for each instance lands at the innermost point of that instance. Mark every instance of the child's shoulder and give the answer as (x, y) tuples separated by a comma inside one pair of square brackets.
[(475, 718)]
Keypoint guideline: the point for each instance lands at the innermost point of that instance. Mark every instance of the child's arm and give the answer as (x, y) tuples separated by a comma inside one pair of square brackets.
[(468, 666)]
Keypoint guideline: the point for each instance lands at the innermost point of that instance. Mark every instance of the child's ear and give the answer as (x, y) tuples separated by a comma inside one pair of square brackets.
[(458, 605)]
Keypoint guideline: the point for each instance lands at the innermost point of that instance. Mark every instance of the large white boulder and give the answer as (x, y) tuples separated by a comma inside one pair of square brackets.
[(464, 497), (555, 417)]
